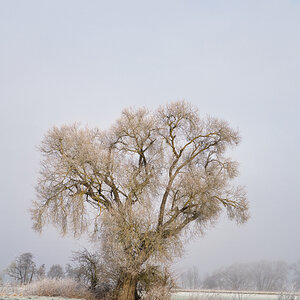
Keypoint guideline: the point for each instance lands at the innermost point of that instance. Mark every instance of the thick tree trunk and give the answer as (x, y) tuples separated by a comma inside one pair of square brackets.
[(127, 289)]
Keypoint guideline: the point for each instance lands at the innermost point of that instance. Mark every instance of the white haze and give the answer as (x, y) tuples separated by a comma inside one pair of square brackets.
[(67, 61)]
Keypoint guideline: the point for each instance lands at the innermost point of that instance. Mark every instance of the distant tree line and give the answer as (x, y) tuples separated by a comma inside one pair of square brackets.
[(24, 270), (89, 270), (256, 276), (86, 268)]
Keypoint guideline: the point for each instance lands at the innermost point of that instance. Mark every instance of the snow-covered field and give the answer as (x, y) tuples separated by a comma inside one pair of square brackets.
[(186, 295), (15, 297), (218, 295)]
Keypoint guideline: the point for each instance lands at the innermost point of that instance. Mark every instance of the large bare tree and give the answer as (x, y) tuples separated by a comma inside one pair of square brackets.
[(149, 180)]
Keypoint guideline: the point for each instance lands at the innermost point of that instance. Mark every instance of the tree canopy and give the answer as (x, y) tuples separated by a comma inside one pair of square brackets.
[(149, 178)]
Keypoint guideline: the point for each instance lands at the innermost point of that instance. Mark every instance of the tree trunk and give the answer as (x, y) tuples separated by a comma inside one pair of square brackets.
[(127, 289)]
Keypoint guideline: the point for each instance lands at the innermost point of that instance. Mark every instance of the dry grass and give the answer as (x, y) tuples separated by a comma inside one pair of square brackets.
[(67, 288), (57, 287), (7, 290)]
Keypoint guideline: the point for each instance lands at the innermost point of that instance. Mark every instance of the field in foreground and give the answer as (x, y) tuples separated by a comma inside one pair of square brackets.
[(14, 297), (185, 296), (231, 295), (17, 293)]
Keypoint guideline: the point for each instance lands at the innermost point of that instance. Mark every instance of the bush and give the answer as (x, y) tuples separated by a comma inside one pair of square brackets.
[(57, 288)]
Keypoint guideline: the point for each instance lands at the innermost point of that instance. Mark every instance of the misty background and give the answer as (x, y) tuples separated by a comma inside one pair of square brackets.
[(84, 61)]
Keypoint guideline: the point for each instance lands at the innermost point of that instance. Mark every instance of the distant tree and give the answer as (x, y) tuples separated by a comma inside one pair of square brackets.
[(22, 269), (212, 282), (191, 279), (41, 272), (260, 276), (233, 277), (56, 271), (236, 277), (70, 271), (149, 179), (295, 268), (269, 276)]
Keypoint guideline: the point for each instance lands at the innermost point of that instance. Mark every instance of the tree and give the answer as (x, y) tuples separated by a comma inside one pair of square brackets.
[(41, 272), (56, 271), (87, 268), (295, 268), (22, 269), (234, 277), (191, 279), (259, 276), (150, 180), (270, 276)]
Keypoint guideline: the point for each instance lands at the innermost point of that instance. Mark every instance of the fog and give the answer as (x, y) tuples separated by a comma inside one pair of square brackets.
[(84, 61)]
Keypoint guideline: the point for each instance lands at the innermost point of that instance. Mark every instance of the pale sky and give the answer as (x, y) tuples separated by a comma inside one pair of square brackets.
[(67, 61)]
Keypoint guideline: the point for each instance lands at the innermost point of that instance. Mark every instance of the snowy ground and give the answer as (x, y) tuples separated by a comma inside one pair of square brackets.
[(14, 297), (217, 295), (188, 295)]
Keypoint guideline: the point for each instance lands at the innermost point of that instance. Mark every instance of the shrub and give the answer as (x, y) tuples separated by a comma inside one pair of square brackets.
[(57, 288)]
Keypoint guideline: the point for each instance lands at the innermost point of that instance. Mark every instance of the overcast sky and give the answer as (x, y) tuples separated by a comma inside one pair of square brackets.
[(67, 61)]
